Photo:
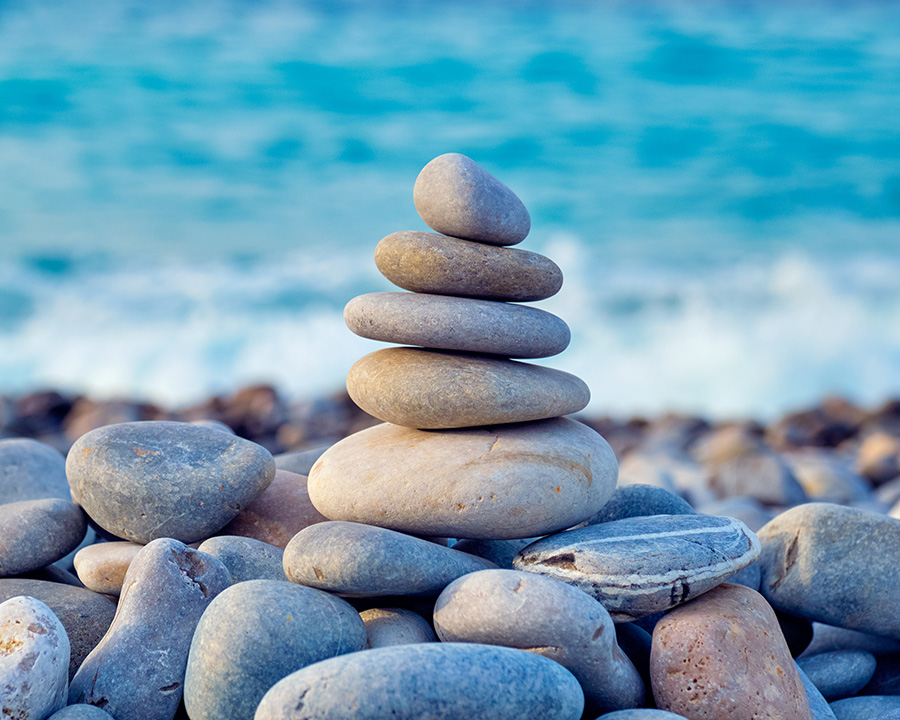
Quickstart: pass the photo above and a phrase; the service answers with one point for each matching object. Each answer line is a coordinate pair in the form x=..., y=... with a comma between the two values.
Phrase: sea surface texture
x=191, y=191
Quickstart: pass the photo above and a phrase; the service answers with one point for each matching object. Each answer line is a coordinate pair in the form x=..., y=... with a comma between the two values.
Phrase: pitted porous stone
x=643, y=565
x=502, y=483
x=454, y=323
x=546, y=617
x=34, y=660
x=137, y=670
x=246, y=558
x=146, y=480
x=431, y=263
x=357, y=560
x=723, y=655
x=102, y=566
x=428, y=680
x=395, y=626
x=456, y=196
x=31, y=470
x=430, y=389
x=36, y=533
x=255, y=633
x=834, y=564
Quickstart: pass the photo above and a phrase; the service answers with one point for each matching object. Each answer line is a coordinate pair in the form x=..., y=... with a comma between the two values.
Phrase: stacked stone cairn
x=470, y=557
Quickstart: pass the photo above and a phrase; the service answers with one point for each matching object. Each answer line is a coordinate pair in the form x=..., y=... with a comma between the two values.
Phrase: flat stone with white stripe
x=643, y=565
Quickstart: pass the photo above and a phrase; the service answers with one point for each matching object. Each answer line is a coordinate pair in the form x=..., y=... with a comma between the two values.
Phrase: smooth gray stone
x=818, y=705
x=750, y=576
x=102, y=567
x=34, y=660
x=428, y=680
x=828, y=637
x=246, y=558
x=365, y=561
x=137, y=670
x=85, y=615
x=36, y=533
x=456, y=196
x=868, y=707
x=31, y=470
x=840, y=673
x=146, y=480
x=640, y=500
x=639, y=566
x=546, y=617
x=817, y=557
x=81, y=711
x=300, y=462
x=499, y=552
x=427, y=262
x=432, y=389
x=254, y=634
x=642, y=714
x=452, y=323
x=386, y=627
x=497, y=483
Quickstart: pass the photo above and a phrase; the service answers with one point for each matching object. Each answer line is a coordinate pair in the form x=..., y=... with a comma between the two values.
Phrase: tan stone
x=102, y=567
x=722, y=655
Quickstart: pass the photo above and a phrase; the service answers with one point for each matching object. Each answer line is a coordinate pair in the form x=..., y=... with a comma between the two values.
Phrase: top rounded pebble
x=455, y=196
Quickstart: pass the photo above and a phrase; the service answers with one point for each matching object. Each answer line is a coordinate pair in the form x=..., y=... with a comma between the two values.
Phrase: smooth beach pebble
x=395, y=626
x=34, y=660
x=868, y=707
x=722, y=655
x=31, y=470
x=136, y=672
x=301, y=461
x=246, y=558
x=818, y=705
x=840, y=673
x=102, y=567
x=80, y=711
x=146, y=480
x=818, y=558
x=431, y=263
x=36, y=533
x=430, y=389
x=643, y=565
x=454, y=323
x=278, y=513
x=639, y=500
x=254, y=634
x=365, y=561
x=827, y=475
x=547, y=617
x=499, y=552
x=826, y=638
x=430, y=680
x=496, y=483
x=456, y=196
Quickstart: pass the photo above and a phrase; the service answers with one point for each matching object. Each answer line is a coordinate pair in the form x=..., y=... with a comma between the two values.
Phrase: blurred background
x=190, y=192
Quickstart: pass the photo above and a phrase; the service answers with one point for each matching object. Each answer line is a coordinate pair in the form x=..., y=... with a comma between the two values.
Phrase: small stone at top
x=456, y=196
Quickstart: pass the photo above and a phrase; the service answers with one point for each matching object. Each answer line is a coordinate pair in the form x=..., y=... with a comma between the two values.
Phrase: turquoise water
x=191, y=191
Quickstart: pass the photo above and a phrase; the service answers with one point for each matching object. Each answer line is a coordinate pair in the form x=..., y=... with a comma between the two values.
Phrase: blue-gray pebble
x=36, y=533
x=642, y=714
x=246, y=558
x=31, y=470
x=840, y=673
x=866, y=707
x=145, y=480
x=81, y=711
x=430, y=680
x=254, y=634
x=818, y=705
x=638, y=500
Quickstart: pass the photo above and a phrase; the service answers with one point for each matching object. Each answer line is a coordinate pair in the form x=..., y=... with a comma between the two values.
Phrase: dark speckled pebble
x=35, y=533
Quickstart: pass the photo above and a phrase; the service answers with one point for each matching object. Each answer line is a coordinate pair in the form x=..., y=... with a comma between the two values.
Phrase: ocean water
x=190, y=192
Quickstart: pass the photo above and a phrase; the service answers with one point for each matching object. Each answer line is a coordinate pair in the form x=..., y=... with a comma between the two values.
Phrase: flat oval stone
x=501, y=483
x=429, y=680
x=840, y=673
x=36, y=533
x=146, y=480
x=427, y=262
x=102, y=567
x=137, y=670
x=386, y=627
x=85, y=615
x=643, y=565
x=246, y=558
x=364, y=561
x=546, y=617
x=31, y=470
x=429, y=389
x=816, y=557
x=456, y=196
x=454, y=323
x=34, y=660
x=722, y=655
x=254, y=634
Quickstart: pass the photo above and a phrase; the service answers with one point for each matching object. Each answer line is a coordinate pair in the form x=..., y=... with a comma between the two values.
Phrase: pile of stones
x=471, y=556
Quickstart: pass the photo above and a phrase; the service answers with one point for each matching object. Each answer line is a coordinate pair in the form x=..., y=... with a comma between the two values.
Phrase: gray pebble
x=300, y=462
x=499, y=552
x=750, y=576
x=428, y=680
x=31, y=470
x=869, y=707
x=36, y=533
x=642, y=714
x=456, y=196
x=818, y=705
x=255, y=633
x=639, y=500
x=840, y=673
x=364, y=561
x=829, y=637
x=145, y=480
x=81, y=711
x=246, y=558
x=827, y=475
x=395, y=626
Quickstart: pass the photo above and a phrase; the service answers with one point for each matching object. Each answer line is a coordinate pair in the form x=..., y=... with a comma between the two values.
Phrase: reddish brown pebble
x=723, y=656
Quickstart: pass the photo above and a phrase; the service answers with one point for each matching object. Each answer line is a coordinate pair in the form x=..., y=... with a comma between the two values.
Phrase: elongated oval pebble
x=428, y=680
x=453, y=323
x=644, y=565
